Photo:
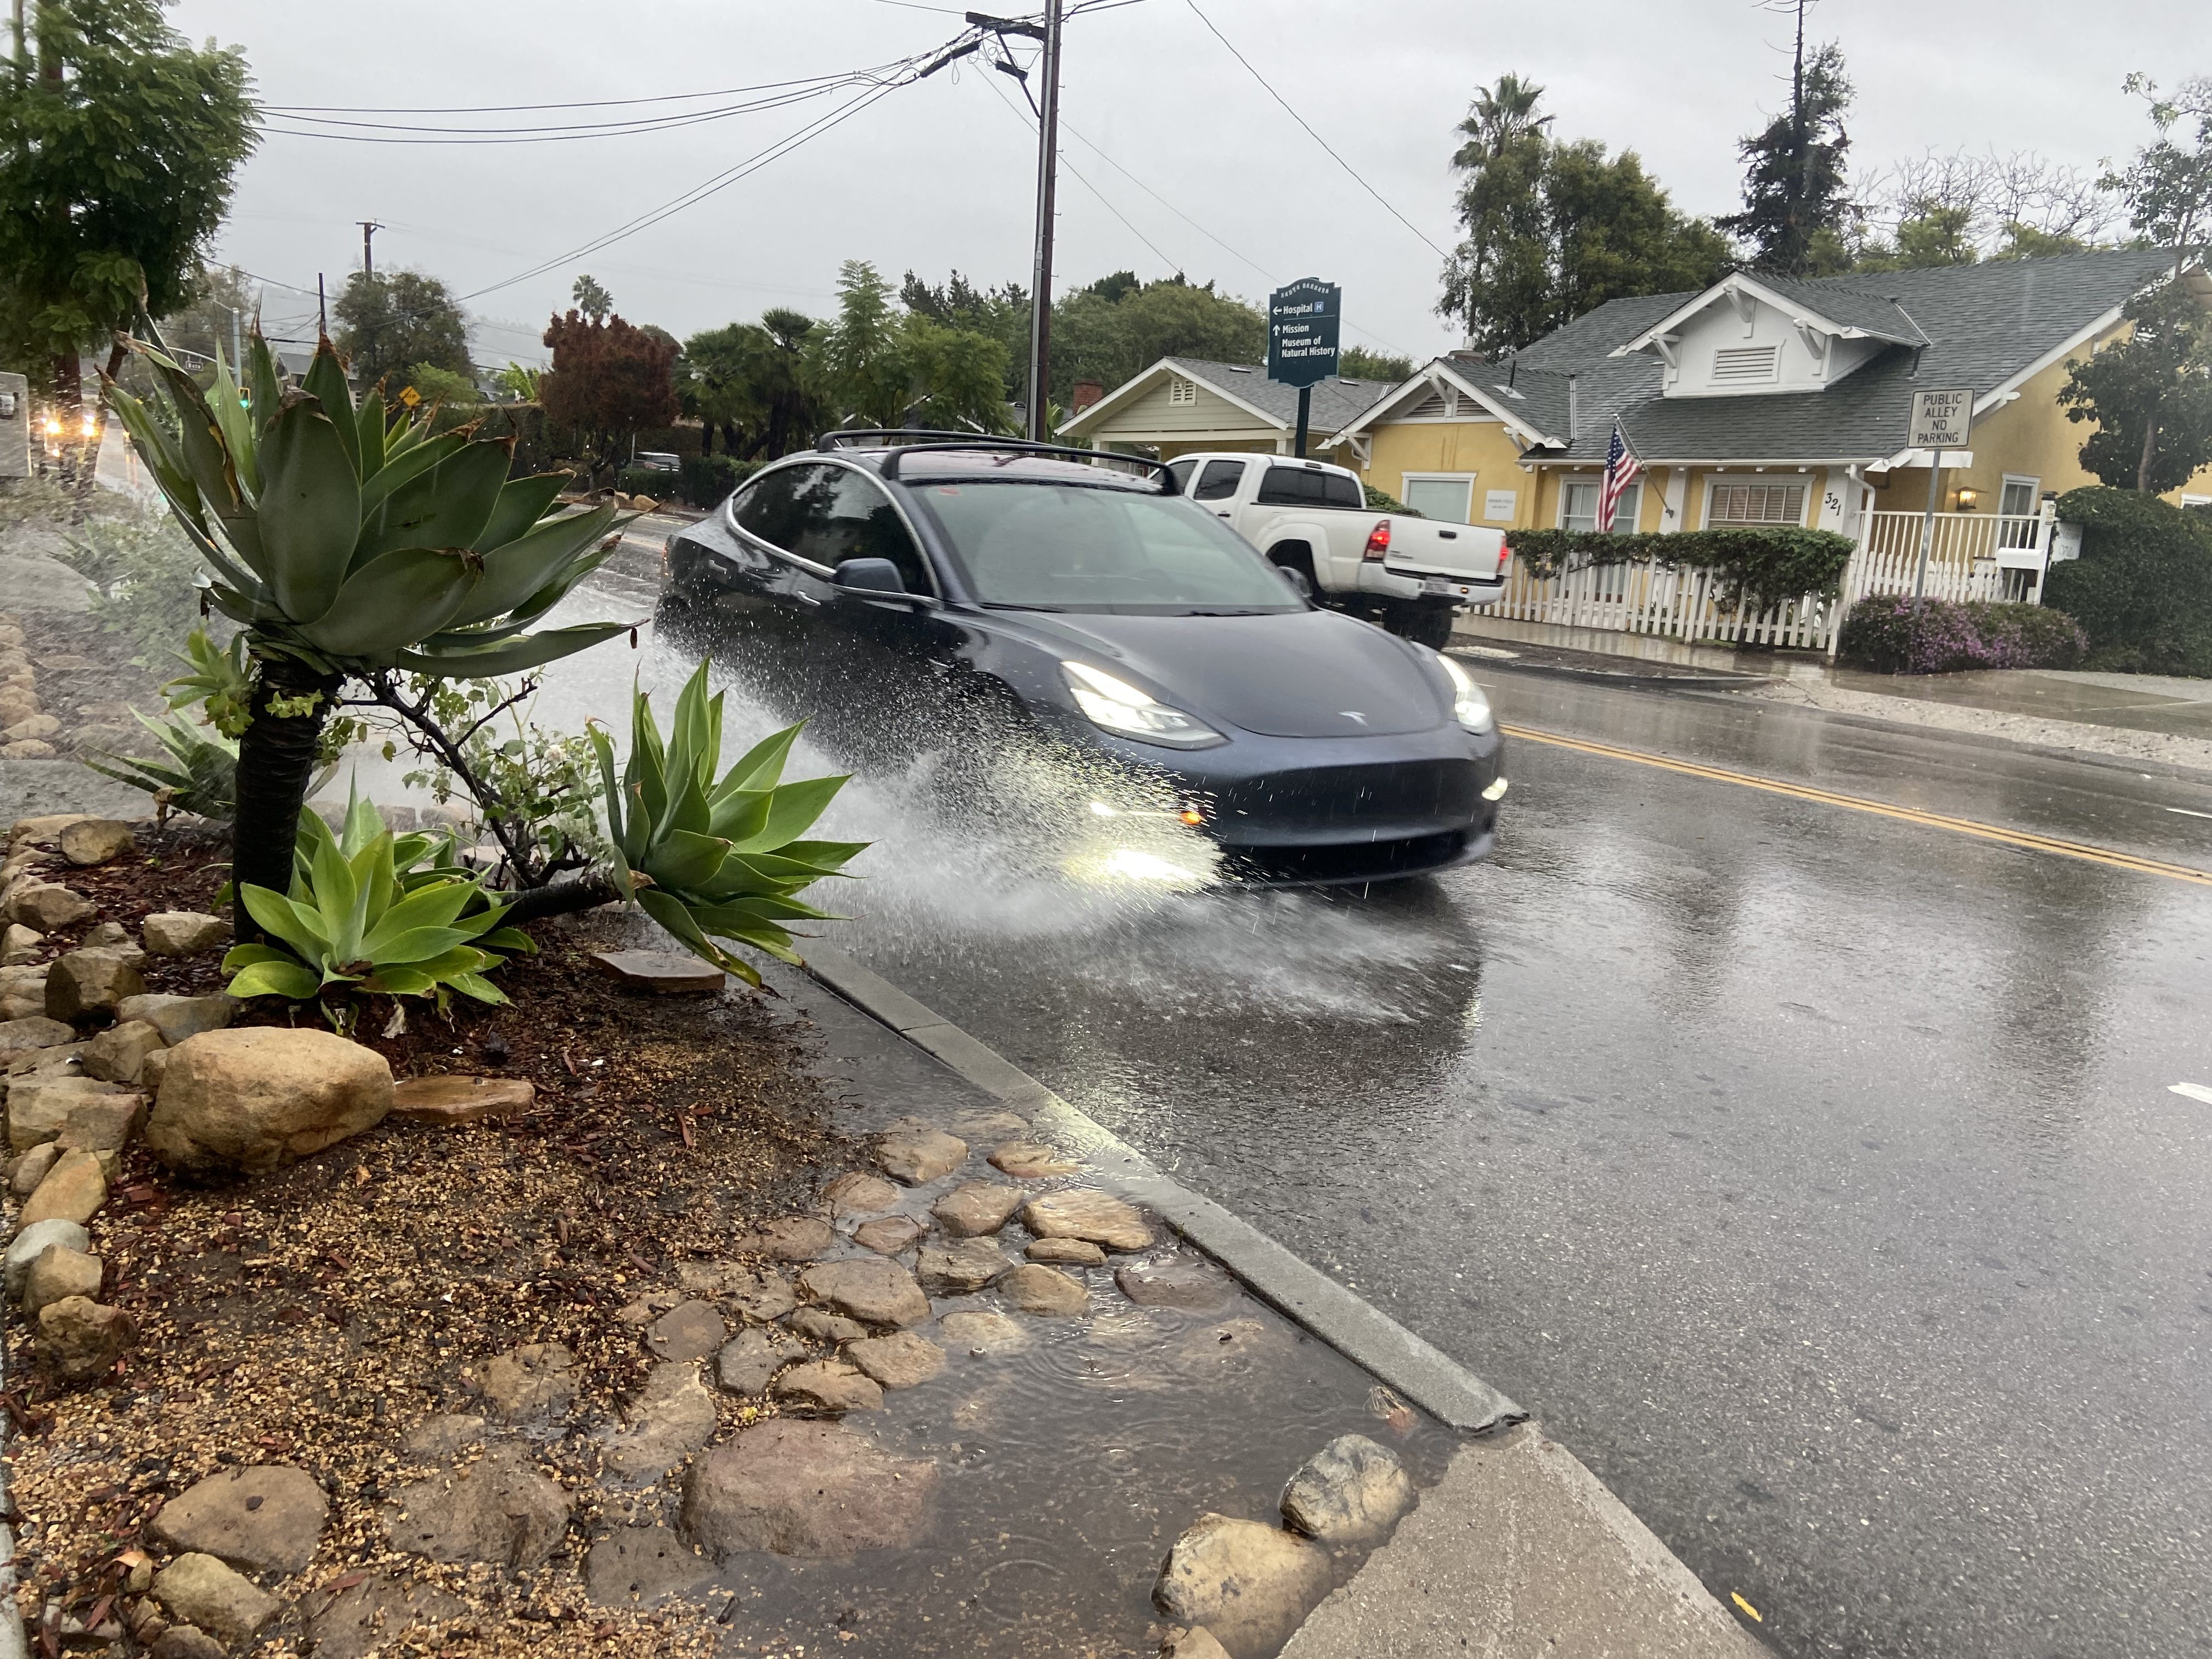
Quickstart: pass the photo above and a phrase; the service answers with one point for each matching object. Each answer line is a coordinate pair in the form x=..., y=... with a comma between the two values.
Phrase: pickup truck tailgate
x=1458, y=552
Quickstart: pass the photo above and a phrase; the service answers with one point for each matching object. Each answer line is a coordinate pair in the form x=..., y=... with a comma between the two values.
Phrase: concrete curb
x=1347, y=1322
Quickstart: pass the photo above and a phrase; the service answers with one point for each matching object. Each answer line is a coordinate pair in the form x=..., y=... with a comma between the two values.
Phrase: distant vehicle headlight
x=1469, y=707
x=1116, y=706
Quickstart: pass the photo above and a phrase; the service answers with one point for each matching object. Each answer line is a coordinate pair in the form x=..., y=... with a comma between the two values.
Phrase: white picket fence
x=1966, y=561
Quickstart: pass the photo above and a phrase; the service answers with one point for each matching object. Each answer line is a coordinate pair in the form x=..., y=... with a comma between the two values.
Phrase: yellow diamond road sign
x=410, y=396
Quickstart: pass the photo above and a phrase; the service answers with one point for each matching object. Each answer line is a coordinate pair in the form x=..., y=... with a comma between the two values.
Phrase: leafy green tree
x=390, y=321
x=1553, y=229
x=594, y=301
x=119, y=143
x=2150, y=394
x=880, y=365
x=1358, y=363
x=1938, y=235
x=610, y=380
x=440, y=385
x=1108, y=339
x=1796, y=202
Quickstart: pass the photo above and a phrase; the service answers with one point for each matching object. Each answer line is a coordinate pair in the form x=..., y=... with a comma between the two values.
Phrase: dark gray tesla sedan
x=888, y=580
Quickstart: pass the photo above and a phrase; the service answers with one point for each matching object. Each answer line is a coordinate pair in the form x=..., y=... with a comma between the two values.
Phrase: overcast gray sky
x=939, y=175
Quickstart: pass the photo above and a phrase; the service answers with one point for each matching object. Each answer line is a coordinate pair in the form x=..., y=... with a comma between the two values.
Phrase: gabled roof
x=1831, y=305
x=1336, y=402
x=1533, y=402
x=1987, y=326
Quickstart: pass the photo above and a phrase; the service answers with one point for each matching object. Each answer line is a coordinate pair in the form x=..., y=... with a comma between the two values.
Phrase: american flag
x=1621, y=467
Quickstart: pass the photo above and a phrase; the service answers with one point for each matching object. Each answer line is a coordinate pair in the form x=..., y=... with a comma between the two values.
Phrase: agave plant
x=197, y=771
x=714, y=860
x=363, y=912
x=350, y=541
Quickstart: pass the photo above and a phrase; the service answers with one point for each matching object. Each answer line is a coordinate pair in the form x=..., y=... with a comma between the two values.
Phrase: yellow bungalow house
x=1761, y=401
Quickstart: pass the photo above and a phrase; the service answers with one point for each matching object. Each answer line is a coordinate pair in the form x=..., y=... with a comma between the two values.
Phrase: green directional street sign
x=1302, y=319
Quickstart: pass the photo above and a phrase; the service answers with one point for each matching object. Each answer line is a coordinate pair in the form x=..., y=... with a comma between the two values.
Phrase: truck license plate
x=1438, y=585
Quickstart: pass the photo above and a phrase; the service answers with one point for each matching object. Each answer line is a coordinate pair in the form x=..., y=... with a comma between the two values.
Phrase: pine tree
x=1796, y=201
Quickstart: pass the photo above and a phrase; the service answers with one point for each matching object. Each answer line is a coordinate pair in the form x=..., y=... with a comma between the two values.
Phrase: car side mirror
x=871, y=576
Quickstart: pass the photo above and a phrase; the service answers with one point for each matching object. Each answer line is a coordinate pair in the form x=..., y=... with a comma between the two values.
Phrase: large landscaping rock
x=500, y=1510
x=89, y=982
x=27, y=1246
x=960, y=1267
x=1249, y=1585
x=1085, y=1212
x=73, y=1190
x=1036, y=1288
x=671, y=1418
x=690, y=1330
x=259, y=1098
x=857, y=1193
x=183, y=932
x=118, y=1054
x=819, y=1491
x=1349, y=1492
x=94, y=840
x=533, y=1383
x=829, y=1385
x=876, y=1291
x=975, y=1208
x=918, y=1152
x=264, y=1518
x=198, y=1590
x=39, y=1103
x=34, y=1031
x=790, y=1238
x=84, y=1339
x=59, y=1272
x=447, y=1101
x=900, y=1360
x=639, y=1567
x=375, y=1613
x=178, y=1017
x=888, y=1235
x=47, y=905
x=749, y=1359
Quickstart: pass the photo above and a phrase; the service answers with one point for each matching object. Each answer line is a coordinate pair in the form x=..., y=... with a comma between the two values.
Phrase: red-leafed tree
x=610, y=380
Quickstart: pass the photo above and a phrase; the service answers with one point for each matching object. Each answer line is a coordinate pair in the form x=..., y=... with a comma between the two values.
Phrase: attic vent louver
x=1746, y=365
x=1430, y=408
x=1181, y=390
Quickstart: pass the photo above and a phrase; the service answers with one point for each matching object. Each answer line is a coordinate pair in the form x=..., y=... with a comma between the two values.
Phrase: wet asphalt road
x=1814, y=1175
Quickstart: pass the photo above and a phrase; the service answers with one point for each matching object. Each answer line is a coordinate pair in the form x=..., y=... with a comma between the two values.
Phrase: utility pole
x=322, y=307
x=1041, y=275
x=369, y=229
x=1048, y=112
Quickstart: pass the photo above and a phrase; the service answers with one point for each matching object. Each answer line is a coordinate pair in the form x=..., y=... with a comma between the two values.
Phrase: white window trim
x=1407, y=479
x=2034, y=483
x=1706, y=512
x=1597, y=481
x=2197, y=501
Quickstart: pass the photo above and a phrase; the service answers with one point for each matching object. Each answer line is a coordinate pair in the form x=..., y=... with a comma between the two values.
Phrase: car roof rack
x=923, y=439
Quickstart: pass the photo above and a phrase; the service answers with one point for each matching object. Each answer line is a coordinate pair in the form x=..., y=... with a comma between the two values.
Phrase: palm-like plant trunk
x=276, y=763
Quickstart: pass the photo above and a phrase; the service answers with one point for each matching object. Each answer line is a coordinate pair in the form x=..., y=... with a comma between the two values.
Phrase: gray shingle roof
x=1860, y=302
x=1983, y=324
x=1336, y=403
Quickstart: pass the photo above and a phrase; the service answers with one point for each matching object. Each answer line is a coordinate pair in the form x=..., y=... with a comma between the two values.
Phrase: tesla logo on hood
x=1353, y=715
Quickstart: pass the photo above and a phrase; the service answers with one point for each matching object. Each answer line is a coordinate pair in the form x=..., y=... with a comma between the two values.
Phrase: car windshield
x=1070, y=547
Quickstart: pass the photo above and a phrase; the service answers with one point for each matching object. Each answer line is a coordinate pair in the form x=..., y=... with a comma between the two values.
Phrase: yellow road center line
x=1859, y=803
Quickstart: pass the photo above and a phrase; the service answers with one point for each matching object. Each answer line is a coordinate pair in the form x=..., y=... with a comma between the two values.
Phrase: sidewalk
x=2146, y=717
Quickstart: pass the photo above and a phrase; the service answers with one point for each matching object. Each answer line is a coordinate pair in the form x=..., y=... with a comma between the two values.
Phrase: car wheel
x=1423, y=623
x=1294, y=561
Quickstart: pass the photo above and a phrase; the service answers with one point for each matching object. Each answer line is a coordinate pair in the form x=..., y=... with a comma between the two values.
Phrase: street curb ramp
x=1518, y=1553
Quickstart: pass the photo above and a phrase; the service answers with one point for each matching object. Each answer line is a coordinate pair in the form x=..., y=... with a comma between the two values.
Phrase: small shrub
x=1882, y=633
x=2143, y=587
x=1382, y=500
x=706, y=481
x=646, y=481
x=1763, y=566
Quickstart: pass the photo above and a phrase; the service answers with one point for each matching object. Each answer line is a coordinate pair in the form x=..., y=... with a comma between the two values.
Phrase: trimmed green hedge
x=706, y=481
x=2142, y=588
x=1767, y=565
x=1885, y=632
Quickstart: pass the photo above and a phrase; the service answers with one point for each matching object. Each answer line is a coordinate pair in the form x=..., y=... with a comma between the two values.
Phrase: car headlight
x=1469, y=707
x=1117, y=706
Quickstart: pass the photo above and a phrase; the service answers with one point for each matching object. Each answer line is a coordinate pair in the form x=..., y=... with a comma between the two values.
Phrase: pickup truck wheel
x=1294, y=558
x=1424, y=622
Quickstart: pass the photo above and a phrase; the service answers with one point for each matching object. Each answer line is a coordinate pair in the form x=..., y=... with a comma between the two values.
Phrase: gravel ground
x=2156, y=747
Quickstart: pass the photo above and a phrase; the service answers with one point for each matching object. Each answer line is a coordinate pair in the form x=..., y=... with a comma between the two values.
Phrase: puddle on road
x=1065, y=1472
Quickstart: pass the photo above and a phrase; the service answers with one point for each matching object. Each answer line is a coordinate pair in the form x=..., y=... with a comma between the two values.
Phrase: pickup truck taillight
x=1378, y=540
x=1504, y=557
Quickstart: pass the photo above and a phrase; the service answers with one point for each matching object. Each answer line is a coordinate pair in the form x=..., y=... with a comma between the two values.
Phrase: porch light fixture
x=1966, y=499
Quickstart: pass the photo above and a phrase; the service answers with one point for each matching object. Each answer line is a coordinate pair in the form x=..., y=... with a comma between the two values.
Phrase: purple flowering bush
x=1881, y=633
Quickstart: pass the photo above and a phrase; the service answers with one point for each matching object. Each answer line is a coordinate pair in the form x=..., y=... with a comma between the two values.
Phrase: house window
x=1579, y=506
x=2019, y=511
x=1747, y=364
x=1442, y=495
x=1181, y=390
x=1732, y=503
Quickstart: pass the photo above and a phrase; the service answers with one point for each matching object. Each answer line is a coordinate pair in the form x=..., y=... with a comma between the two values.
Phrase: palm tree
x=1499, y=115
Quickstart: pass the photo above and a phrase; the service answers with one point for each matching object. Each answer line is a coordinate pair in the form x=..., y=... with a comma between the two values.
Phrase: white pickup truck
x=1411, y=575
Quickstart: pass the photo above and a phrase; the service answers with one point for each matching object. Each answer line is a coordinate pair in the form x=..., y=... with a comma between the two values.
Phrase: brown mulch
x=315, y=1316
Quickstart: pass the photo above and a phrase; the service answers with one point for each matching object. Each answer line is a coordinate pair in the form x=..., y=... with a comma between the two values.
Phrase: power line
x=1028, y=125
x=387, y=132
x=1308, y=125
x=586, y=103
x=967, y=41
